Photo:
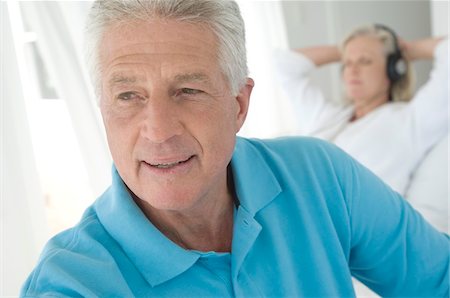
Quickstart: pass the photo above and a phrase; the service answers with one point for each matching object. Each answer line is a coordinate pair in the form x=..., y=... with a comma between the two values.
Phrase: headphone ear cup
x=400, y=67
x=396, y=67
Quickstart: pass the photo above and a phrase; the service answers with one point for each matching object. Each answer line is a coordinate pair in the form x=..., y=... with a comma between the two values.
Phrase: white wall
x=311, y=23
x=439, y=17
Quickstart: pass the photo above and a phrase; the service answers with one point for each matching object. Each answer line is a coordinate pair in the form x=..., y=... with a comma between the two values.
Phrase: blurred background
x=54, y=157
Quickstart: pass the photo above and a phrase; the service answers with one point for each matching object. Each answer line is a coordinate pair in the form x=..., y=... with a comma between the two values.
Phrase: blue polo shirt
x=309, y=218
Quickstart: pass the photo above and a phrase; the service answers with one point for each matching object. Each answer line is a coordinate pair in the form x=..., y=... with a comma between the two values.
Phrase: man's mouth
x=170, y=164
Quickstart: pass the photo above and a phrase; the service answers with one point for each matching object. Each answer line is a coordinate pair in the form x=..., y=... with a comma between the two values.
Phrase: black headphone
x=396, y=64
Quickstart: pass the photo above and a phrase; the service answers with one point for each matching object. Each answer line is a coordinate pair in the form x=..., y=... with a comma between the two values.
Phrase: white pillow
x=428, y=191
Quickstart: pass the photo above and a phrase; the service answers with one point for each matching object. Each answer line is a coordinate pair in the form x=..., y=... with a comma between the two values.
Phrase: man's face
x=169, y=115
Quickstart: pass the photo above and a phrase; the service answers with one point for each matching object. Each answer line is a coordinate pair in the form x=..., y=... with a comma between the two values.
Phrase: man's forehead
x=123, y=77
x=157, y=33
x=144, y=45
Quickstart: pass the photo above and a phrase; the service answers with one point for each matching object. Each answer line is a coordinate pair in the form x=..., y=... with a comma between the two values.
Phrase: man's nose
x=161, y=120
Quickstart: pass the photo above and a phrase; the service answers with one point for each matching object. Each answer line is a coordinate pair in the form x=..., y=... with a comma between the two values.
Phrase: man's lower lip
x=179, y=167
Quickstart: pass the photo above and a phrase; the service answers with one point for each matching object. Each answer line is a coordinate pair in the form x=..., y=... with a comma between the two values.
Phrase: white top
x=392, y=139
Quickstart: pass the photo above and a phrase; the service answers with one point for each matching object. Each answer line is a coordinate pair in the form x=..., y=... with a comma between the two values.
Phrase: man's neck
x=209, y=228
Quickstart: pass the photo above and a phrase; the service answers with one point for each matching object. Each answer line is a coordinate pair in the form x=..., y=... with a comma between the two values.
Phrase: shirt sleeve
x=430, y=104
x=394, y=251
x=310, y=108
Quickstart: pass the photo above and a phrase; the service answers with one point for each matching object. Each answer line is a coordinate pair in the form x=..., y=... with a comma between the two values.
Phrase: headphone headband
x=393, y=34
x=396, y=65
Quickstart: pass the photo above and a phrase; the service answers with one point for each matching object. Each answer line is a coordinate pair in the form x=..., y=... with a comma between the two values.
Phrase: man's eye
x=128, y=96
x=190, y=91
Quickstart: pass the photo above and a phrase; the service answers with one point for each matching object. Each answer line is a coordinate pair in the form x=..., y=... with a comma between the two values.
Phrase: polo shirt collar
x=154, y=255
x=255, y=183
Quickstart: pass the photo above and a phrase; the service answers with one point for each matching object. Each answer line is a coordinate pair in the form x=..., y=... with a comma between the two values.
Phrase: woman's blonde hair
x=401, y=89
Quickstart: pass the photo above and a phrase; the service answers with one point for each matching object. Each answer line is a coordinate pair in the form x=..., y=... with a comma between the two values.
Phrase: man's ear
x=243, y=101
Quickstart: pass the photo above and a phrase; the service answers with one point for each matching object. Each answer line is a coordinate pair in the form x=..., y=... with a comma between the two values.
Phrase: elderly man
x=195, y=211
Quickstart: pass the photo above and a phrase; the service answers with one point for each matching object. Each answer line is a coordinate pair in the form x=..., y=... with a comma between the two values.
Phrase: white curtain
x=269, y=114
x=59, y=29
x=23, y=229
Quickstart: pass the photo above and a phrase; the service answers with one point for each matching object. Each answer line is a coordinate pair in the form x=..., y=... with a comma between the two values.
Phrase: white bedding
x=429, y=188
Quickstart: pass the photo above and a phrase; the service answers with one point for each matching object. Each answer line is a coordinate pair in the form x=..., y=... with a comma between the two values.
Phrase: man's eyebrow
x=122, y=79
x=192, y=77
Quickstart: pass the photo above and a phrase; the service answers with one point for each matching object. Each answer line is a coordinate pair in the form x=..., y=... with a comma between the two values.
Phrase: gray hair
x=223, y=17
x=401, y=90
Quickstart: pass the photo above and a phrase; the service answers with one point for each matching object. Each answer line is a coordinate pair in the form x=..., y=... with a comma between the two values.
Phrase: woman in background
x=382, y=124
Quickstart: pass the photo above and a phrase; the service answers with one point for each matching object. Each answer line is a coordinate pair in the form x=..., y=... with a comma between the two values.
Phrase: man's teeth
x=166, y=165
